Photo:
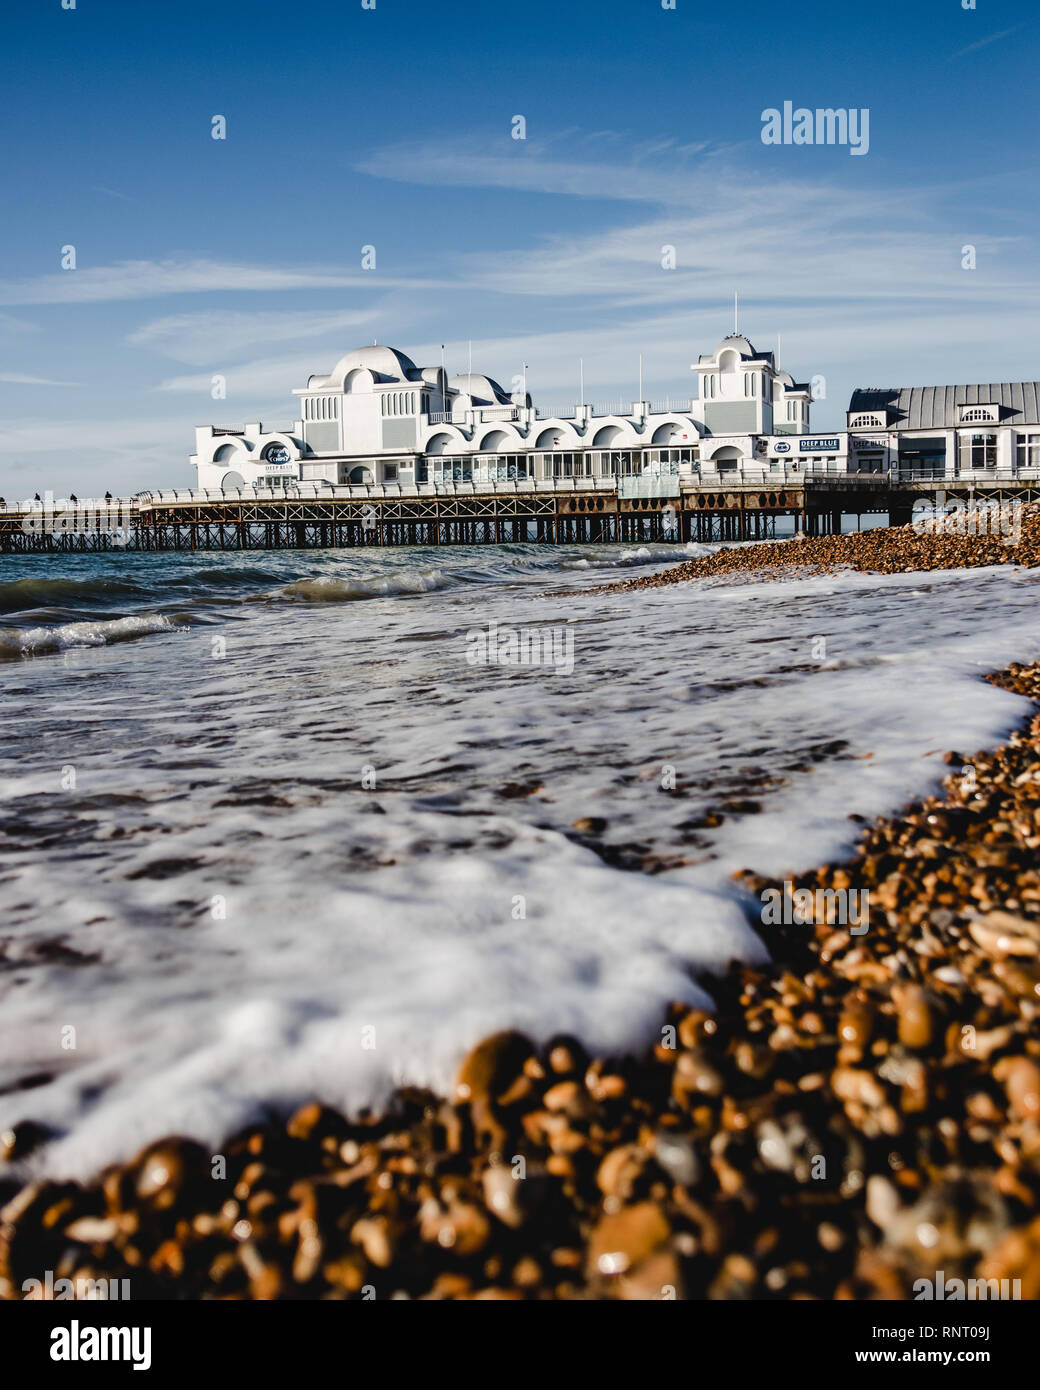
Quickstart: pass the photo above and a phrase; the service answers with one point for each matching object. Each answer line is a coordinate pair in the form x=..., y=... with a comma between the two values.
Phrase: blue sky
x=392, y=128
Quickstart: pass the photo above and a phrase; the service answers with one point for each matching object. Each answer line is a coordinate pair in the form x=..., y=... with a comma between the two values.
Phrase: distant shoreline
x=1009, y=538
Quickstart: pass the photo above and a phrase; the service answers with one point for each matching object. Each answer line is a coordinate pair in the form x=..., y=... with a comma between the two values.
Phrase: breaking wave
x=33, y=592
x=18, y=642
x=643, y=555
x=330, y=588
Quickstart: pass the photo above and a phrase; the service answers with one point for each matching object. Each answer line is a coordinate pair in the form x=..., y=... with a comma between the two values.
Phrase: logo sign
x=783, y=448
x=276, y=453
x=819, y=446
x=861, y=442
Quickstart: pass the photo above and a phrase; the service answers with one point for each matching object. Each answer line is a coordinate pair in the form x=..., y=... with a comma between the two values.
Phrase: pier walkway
x=314, y=515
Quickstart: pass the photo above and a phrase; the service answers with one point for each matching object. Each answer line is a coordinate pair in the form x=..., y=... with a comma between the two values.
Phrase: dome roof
x=736, y=342
x=385, y=364
x=483, y=390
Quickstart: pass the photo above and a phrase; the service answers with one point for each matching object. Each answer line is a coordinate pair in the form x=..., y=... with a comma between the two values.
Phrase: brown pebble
x=619, y=1243
x=1022, y=1082
x=916, y=1022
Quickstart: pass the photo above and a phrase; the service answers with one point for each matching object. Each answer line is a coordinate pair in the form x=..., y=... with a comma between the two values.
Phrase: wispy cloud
x=218, y=336
x=112, y=193
x=20, y=379
x=984, y=43
x=114, y=435
x=264, y=381
x=583, y=166
x=12, y=329
x=780, y=238
x=123, y=280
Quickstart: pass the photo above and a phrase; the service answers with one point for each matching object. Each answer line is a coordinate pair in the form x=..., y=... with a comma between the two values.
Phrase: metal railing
x=482, y=415
x=1012, y=474
x=771, y=479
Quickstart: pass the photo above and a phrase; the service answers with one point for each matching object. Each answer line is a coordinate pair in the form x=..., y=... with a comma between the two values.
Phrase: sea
x=299, y=825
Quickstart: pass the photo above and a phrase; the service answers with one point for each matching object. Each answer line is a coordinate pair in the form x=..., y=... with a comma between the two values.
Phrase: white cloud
x=984, y=43
x=116, y=434
x=219, y=335
x=124, y=280
x=780, y=238
x=13, y=330
x=266, y=379
x=592, y=166
x=20, y=379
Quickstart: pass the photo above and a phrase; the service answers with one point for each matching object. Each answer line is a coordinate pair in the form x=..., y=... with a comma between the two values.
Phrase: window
x=867, y=422
x=978, y=451
x=1027, y=451
x=978, y=414
x=390, y=473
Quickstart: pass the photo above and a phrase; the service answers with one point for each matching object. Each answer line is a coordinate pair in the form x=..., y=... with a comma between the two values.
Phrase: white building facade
x=378, y=419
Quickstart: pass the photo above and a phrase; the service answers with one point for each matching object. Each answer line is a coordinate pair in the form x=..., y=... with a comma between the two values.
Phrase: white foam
x=329, y=588
x=29, y=641
x=450, y=899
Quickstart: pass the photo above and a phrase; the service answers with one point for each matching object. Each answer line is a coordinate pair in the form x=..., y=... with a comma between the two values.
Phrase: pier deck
x=322, y=516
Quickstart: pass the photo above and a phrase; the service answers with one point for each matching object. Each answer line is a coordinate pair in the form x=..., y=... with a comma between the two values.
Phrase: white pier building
x=377, y=418
x=377, y=421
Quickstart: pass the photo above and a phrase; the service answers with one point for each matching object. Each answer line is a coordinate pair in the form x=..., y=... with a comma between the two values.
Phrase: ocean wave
x=330, y=588
x=18, y=642
x=642, y=555
x=224, y=577
x=39, y=592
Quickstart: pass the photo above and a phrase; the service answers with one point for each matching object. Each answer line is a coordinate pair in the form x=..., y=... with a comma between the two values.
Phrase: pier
x=319, y=516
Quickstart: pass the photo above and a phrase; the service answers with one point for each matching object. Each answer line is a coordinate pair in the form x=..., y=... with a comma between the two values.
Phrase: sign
x=819, y=446
x=783, y=448
x=276, y=453
x=860, y=442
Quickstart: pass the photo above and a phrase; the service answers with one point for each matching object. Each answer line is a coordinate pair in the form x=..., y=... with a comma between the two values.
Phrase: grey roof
x=935, y=407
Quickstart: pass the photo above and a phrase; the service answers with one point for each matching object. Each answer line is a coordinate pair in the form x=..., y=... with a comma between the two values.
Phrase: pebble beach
x=848, y=1119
